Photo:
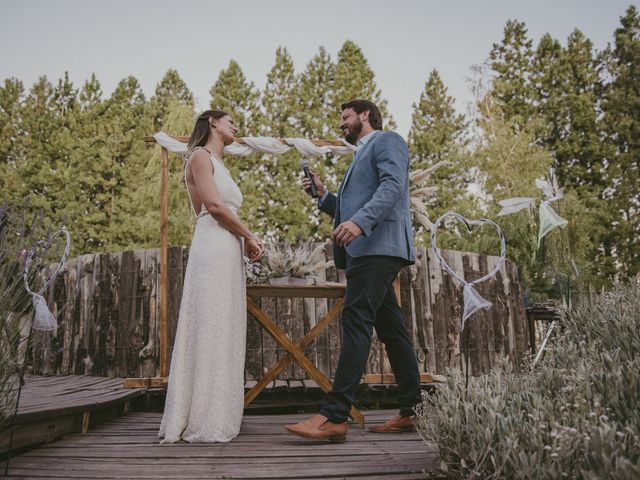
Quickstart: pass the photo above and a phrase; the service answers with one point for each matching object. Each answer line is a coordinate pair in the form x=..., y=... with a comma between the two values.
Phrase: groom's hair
x=359, y=106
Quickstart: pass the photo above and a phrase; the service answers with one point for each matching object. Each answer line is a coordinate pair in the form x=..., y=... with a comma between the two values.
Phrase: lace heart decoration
x=473, y=301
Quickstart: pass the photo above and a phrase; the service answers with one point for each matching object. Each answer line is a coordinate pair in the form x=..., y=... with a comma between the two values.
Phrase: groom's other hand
x=320, y=188
x=346, y=232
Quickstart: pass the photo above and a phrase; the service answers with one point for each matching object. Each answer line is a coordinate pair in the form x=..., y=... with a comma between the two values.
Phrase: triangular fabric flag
x=43, y=319
x=549, y=220
x=473, y=302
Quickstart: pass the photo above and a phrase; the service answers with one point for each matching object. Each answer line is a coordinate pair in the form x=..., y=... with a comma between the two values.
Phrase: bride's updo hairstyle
x=200, y=133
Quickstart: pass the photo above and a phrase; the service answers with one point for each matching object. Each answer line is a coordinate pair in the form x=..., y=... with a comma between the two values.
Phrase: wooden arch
x=163, y=289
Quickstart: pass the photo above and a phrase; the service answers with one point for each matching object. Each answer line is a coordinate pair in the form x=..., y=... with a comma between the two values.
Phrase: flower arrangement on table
x=287, y=265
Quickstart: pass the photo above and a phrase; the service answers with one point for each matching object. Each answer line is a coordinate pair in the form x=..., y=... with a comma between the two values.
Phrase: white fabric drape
x=262, y=144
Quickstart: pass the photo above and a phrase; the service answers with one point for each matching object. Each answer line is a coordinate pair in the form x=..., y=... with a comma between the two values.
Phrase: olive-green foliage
x=586, y=106
x=574, y=415
x=621, y=107
x=505, y=163
x=437, y=135
x=72, y=150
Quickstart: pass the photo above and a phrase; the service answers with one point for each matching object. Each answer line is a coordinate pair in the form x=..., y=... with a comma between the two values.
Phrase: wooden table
x=295, y=350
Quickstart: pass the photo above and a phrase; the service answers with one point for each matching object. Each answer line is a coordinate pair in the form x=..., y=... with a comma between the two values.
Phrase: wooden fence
x=108, y=311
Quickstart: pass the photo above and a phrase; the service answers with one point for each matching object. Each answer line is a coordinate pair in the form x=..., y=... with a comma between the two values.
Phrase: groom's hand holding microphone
x=311, y=183
x=346, y=232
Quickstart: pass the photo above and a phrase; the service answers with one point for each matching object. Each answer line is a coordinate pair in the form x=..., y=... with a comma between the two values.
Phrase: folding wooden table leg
x=298, y=355
x=284, y=361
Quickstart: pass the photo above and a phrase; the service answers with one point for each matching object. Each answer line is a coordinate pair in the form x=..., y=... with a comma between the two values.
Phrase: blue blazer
x=374, y=194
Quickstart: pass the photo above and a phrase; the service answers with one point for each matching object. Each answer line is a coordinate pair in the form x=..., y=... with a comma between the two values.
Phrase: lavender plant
x=23, y=237
x=575, y=415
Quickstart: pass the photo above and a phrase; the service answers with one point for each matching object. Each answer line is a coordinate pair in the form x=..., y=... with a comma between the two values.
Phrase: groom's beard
x=353, y=132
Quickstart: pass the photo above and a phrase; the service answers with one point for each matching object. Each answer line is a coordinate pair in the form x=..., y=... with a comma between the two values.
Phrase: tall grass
x=21, y=235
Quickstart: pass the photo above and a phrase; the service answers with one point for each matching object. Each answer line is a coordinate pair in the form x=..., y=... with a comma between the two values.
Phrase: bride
x=205, y=396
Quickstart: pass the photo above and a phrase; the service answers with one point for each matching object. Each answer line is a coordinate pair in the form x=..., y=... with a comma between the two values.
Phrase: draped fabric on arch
x=262, y=144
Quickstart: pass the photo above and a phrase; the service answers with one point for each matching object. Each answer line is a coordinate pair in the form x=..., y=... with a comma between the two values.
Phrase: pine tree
x=11, y=98
x=567, y=86
x=38, y=124
x=354, y=79
x=240, y=98
x=511, y=62
x=280, y=209
x=11, y=140
x=436, y=128
x=48, y=171
x=233, y=94
x=89, y=165
x=621, y=106
x=91, y=93
x=279, y=100
x=567, y=91
x=436, y=135
x=316, y=116
x=170, y=89
x=124, y=128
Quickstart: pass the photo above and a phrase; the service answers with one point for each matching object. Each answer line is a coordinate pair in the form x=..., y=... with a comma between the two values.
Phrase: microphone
x=307, y=173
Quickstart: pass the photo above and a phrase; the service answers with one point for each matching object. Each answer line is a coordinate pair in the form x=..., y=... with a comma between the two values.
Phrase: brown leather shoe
x=319, y=427
x=395, y=425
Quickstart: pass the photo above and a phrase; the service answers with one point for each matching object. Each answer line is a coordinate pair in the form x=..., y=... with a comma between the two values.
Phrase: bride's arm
x=202, y=174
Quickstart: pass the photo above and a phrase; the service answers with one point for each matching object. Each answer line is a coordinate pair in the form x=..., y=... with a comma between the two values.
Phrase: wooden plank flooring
x=128, y=447
x=67, y=394
x=53, y=406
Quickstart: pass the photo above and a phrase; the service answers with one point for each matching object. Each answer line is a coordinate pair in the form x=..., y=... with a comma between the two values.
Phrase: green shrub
x=575, y=415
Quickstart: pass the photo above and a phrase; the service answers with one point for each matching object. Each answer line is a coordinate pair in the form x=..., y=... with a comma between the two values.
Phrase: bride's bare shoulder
x=198, y=157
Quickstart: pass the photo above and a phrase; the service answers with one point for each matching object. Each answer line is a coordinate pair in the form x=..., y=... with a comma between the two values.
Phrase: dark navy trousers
x=370, y=302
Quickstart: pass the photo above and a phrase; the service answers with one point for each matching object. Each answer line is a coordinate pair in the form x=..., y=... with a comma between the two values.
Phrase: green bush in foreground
x=575, y=415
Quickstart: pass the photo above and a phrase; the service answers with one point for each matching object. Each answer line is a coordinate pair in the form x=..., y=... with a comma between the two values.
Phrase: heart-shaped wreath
x=473, y=301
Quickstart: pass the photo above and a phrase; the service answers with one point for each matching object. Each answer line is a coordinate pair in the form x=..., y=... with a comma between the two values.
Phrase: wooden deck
x=128, y=447
x=87, y=427
x=53, y=406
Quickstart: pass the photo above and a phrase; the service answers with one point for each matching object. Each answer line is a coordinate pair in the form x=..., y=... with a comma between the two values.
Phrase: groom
x=372, y=240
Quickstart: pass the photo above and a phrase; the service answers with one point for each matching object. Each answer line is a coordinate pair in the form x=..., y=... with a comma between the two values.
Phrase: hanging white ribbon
x=43, y=319
x=550, y=188
x=262, y=144
x=513, y=205
x=473, y=301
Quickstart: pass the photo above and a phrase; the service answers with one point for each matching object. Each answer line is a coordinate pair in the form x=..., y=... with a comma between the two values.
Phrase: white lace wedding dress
x=205, y=396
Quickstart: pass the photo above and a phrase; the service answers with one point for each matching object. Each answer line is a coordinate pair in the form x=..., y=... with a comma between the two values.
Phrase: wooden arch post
x=163, y=333
x=163, y=328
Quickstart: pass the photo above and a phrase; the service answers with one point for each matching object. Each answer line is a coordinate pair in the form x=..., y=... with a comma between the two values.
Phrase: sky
x=403, y=40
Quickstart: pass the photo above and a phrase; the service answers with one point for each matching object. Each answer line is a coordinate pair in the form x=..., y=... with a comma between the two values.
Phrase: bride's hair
x=200, y=133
